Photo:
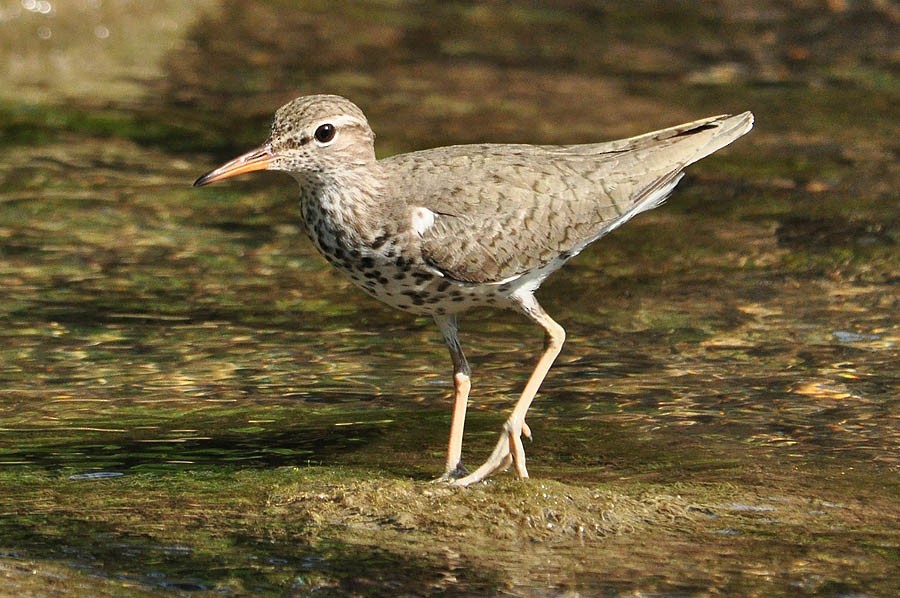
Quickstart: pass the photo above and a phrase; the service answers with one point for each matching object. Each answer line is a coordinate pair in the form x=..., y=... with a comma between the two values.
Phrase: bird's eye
x=325, y=133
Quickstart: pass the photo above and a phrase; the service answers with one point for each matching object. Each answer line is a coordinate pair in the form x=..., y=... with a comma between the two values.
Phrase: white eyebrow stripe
x=339, y=121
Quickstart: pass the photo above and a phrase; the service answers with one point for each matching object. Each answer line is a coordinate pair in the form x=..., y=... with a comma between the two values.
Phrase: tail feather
x=660, y=158
x=712, y=134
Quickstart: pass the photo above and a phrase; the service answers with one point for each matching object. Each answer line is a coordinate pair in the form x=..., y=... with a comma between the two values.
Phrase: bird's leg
x=454, y=468
x=509, y=448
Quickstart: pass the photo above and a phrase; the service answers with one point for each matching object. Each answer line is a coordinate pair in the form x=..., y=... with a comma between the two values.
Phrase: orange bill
x=257, y=159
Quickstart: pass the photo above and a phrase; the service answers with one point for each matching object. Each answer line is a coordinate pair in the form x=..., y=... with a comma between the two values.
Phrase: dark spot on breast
x=418, y=297
x=379, y=241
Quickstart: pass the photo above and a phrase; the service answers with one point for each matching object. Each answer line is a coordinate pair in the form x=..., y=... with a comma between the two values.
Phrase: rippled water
x=173, y=362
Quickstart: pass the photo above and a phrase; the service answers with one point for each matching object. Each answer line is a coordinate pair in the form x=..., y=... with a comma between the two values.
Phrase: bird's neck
x=343, y=203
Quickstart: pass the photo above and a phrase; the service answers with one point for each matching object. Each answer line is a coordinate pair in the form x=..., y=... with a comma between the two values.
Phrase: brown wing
x=503, y=210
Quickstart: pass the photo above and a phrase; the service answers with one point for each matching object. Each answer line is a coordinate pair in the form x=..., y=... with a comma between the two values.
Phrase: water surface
x=192, y=401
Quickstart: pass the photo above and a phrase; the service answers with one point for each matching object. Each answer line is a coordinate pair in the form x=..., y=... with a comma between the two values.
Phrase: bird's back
x=503, y=210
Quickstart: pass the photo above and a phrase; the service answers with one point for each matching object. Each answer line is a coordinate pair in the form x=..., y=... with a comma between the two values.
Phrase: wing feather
x=504, y=210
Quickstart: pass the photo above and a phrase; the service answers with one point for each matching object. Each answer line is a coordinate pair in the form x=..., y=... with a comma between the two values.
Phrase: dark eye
x=325, y=133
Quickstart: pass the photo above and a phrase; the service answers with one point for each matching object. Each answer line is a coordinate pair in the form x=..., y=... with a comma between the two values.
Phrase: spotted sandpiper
x=440, y=231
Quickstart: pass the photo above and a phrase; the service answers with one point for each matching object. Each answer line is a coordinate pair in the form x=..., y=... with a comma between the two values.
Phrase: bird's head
x=311, y=136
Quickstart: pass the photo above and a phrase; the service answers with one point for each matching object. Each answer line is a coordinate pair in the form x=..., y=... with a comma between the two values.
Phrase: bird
x=440, y=231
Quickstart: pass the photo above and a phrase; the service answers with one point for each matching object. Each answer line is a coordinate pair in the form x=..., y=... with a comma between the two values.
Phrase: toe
x=456, y=473
x=518, y=454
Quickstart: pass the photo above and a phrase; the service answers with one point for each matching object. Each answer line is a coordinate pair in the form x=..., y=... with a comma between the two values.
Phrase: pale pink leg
x=454, y=468
x=509, y=448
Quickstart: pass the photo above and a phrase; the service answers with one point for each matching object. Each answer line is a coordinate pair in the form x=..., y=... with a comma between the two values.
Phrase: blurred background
x=169, y=356
x=540, y=71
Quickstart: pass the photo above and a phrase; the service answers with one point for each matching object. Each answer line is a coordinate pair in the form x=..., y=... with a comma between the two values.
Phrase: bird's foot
x=509, y=451
x=453, y=474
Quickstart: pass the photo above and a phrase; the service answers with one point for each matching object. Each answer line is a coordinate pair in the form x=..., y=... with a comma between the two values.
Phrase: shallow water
x=191, y=401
